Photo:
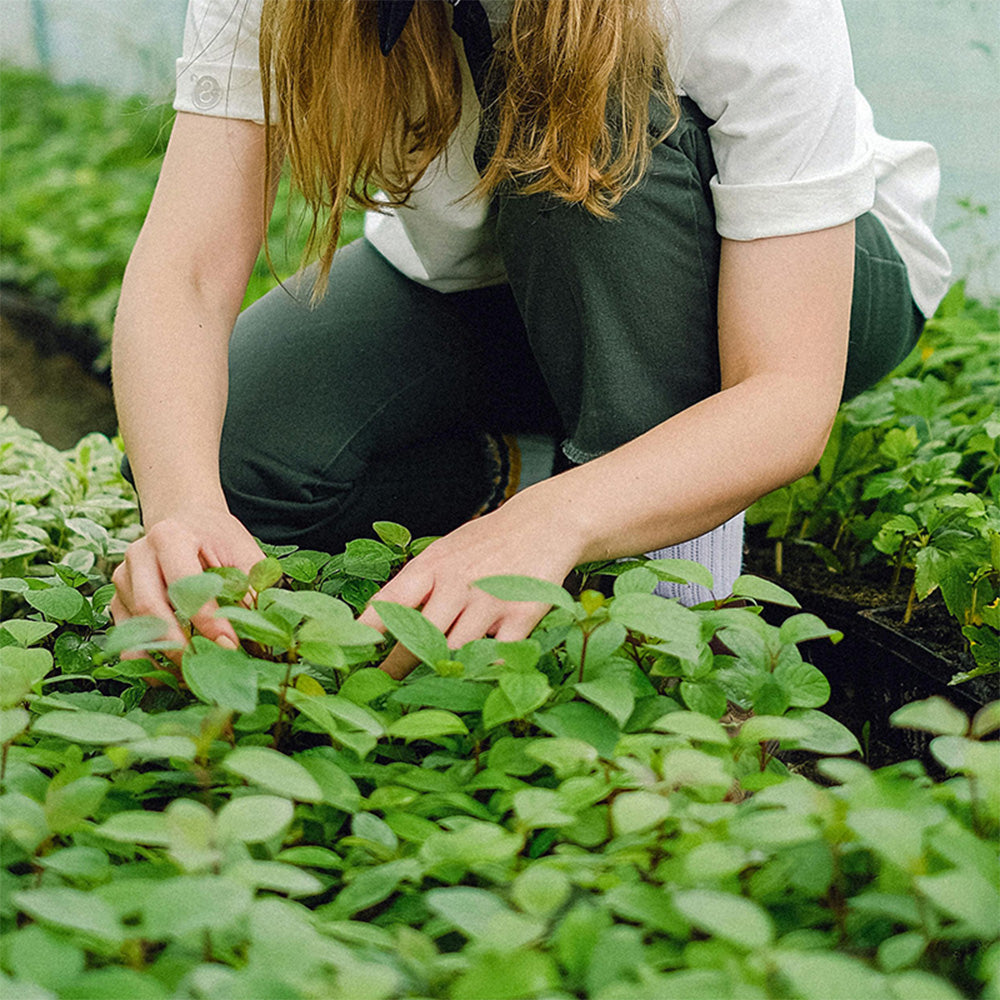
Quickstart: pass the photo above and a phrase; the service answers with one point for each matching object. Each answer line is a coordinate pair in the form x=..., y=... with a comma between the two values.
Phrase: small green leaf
x=986, y=720
x=264, y=574
x=341, y=631
x=137, y=826
x=86, y=863
x=423, y=639
x=20, y=670
x=761, y=728
x=368, y=559
x=26, y=633
x=365, y=685
x=177, y=907
x=763, y=590
x=88, y=727
x=803, y=627
x=274, y=772
x=309, y=856
x=540, y=891
x=235, y=582
x=610, y=692
x=225, y=677
x=636, y=812
x=932, y=715
x=258, y=626
x=190, y=594
x=67, y=806
x=648, y=905
x=682, y=571
x=141, y=633
x=479, y=914
x=13, y=722
x=705, y=697
x=23, y=820
x=818, y=975
x=678, y=628
x=392, y=533
x=733, y=918
x=181, y=747
x=638, y=580
x=369, y=887
x=805, y=686
x=338, y=787
x=57, y=603
x=694, y=726
x=299, y=566
x=541, y=807
x=525, y=691
x=966, y=895
x=824, y=734
x=356, y=716
x=72, y=910
x=526, y=589
x=578, y=720
x=254, y=818
x=429, y=724
x=448, y=693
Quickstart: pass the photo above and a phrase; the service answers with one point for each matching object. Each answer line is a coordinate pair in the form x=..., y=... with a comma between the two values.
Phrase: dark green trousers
x=390, y=400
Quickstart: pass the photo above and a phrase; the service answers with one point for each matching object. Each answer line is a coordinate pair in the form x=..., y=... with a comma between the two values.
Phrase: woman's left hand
x=521, y=538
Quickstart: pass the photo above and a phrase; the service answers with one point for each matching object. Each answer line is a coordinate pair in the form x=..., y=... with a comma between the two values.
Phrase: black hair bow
x=469, y=21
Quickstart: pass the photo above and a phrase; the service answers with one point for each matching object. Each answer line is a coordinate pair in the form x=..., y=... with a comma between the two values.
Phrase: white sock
x=720, y=551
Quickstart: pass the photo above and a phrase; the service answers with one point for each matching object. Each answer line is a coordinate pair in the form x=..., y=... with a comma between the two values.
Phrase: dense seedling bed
x=603, y=810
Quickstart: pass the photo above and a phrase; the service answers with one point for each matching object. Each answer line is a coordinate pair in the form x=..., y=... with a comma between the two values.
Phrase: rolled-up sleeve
x=218, y=72
x=776, y=77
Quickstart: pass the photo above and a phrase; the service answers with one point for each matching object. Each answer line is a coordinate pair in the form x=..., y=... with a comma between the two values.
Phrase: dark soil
x=48, y=381
x=880, y=664
x=871, y=590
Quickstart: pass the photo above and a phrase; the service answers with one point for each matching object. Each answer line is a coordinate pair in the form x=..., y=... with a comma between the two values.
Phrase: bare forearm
x=182, y=291
x=687, y=475
x=170, y=377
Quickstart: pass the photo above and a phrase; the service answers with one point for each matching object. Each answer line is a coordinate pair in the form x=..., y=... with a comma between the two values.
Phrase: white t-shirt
x=794, y=141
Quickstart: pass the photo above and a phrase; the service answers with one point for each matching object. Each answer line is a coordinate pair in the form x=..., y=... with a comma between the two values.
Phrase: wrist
x=554, y=513
x=182, y=505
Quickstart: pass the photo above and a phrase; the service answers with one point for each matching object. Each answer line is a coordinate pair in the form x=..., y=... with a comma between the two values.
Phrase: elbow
x=811, y=443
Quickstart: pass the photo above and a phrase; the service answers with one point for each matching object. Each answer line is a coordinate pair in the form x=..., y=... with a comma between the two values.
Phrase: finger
x=121, y=611
x=176, y=563
x=473, y=623
x=148, y=596
x=399, y=662
x=517, y=626
x=411, y=589
x=443, y=608
x=140, y=590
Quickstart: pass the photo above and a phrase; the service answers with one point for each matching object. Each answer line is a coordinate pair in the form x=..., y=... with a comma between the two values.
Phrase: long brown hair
x=571, y=116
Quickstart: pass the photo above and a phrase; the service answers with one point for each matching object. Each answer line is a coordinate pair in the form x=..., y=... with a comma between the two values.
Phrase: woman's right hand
x=181, y=545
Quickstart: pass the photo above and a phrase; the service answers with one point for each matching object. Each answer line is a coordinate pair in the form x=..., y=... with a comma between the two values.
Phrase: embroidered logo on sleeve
x=207, y=92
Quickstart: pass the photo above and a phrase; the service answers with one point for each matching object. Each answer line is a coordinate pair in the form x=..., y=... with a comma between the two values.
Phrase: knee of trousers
x=621, y=312
x=276, y=496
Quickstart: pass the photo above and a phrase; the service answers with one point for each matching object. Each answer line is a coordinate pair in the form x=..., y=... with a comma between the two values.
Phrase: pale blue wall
x=930, y=68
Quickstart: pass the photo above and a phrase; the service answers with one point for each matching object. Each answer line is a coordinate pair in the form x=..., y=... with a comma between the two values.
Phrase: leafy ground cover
x=603, y=810
x=79, y=168
x=907, y=495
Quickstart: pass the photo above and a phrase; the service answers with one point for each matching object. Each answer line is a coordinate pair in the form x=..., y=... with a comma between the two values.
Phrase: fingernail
x=226, y=643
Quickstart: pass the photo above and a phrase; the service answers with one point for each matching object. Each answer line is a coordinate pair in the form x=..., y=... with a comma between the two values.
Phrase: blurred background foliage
x=79, y=168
